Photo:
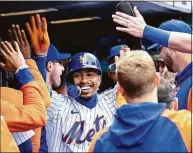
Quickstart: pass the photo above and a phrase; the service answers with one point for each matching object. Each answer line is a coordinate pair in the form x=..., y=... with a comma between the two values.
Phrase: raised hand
x=123, y=52
x=15, y=34
x=12, y=58
x=38, y=34
x=132, y=25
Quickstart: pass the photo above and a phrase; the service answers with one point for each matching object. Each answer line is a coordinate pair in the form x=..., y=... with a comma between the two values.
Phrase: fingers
x=116, y=59
x=2, y=65
x=15, y=36
x=44, y=24
x=2, y=51
x=16, y=46
x=122, y=29
x=28, y=28
x=121, y=22
x=24, y=36
x=5, y=49
x=9, y=46
x=18, y=31
x=122, y=53
x=125, y=16
x=10, y=34
x=38, y=21
x=119, y=19
x=33, y=23
x=137, y=13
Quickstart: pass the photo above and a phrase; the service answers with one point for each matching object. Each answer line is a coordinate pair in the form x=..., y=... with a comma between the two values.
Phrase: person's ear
x=157, y=79
x=121, y=90
x=49, y=66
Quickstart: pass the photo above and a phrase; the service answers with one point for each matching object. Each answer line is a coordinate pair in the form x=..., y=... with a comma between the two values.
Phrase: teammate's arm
x=137, y=27
x=40, y=41
x=39, y=38
x=32, y=114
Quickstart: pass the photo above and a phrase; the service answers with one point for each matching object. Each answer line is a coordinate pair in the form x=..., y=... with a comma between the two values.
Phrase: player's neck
x=150, y=97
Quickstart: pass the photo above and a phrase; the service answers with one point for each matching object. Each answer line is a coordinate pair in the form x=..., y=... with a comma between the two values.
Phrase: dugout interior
x=96, y=36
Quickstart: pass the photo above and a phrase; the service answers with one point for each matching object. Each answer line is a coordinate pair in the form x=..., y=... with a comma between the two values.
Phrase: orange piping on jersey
x=95, y=137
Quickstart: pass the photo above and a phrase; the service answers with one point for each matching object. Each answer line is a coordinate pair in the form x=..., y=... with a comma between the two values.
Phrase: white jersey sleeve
x=110, y=97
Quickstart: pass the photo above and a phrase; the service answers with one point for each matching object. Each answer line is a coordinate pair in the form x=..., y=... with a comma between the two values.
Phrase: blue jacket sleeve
x=41, y=63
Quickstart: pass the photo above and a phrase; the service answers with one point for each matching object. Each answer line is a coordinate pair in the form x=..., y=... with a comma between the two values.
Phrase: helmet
x=83, y=60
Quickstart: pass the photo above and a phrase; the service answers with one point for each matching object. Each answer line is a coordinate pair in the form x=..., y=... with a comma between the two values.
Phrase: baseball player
x=23, y=138
x=29, y=113
x=115, y=51
x=144, y=124
x=72, y=122
x=173, y=50
x=51, y=67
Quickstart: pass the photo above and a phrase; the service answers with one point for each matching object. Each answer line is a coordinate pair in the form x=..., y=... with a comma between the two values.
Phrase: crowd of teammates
x=141, y=112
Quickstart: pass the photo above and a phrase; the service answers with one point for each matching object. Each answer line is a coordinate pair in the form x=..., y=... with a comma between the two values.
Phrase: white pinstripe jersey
x=21, y=137
x=71, y=126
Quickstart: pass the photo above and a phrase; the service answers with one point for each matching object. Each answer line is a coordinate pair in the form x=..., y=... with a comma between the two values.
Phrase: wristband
x=20, y=68
x=156, y=35
x=24, y=76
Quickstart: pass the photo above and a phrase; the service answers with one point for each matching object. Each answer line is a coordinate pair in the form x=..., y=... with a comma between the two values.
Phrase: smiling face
x=88, y=80
x=56, y=72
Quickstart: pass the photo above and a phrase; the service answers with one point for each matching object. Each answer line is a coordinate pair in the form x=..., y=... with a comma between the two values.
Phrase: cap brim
x=109, y=57
x=64, y=56
x=154, y=46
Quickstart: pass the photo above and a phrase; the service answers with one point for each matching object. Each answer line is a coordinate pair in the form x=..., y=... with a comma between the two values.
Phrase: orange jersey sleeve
x=11, y=95
x=183, y=120
x=41, y=83
x=8, y=143
x=120, y=100
x=46, y=96
x=95, y=137
x=17, y=96
x=25, y=117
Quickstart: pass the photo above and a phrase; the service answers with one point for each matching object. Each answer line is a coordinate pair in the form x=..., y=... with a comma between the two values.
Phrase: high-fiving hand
x=12, y=56
x=15, y=34
x=38, y=34
x=123, y=52
x=132, y=25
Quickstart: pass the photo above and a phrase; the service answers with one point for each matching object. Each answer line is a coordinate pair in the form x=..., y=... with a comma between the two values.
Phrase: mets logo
x=77, y=131
x=83, y=60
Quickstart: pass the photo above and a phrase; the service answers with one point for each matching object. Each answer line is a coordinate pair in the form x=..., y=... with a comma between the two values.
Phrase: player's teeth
x=84, y=88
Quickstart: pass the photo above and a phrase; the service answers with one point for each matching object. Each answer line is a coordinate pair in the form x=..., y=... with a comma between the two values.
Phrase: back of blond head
x=136, y=73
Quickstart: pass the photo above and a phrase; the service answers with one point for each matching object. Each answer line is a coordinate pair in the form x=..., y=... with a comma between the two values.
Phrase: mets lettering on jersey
x=71, y=126
x=76, y=131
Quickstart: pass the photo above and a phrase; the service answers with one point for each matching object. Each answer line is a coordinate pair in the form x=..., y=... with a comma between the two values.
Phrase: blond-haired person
x=143, y=124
